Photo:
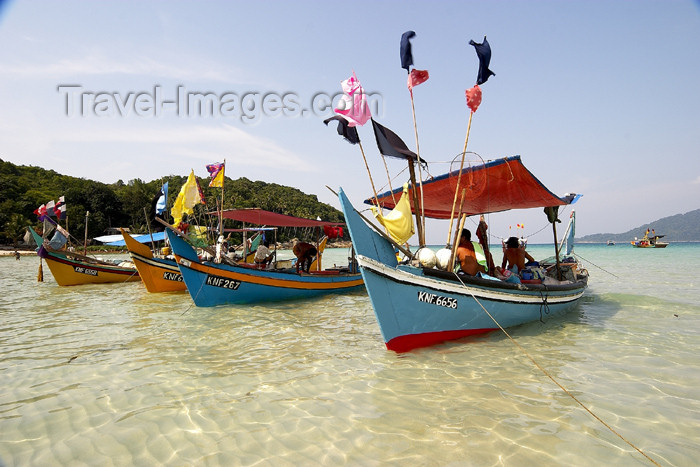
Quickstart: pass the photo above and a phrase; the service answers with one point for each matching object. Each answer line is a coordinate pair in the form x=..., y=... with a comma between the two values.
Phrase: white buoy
x=443, y=258
x=426, y=257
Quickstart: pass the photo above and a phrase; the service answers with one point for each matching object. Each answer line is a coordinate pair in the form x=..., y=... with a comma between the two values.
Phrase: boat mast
x=459, y=179
x=416, y=203
x=150, y=232
x=221, y=211
x=87, y=213
x=420, y=213
x=552, y=215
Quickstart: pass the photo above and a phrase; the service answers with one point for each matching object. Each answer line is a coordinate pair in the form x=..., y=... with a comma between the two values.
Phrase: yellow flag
x=399, y=222
x=216, y=171
x=186, y=200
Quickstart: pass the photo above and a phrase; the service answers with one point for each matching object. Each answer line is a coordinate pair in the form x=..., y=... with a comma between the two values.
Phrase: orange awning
x=495, y=186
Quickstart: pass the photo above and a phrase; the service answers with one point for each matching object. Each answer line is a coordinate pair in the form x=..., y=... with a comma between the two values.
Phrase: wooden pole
x=457, y=236
x=459, y=177
x=416, y=204
x=374, y=190
x=87, y=213
x=221, y=212
x=556, y=250
x=388, y=178
x=420, y=212
x=245, y=243
x=150, y=232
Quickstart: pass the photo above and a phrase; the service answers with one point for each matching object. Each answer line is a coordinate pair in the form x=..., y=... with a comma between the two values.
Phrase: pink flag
x=473, y=97
x=417, y=77
x=353, y=105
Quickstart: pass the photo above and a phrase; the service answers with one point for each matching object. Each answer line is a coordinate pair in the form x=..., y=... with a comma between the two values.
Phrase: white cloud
x=203, y=143
x=99, y=63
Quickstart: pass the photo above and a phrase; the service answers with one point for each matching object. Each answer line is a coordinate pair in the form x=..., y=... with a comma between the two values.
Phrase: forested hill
x=24, y=188
x=678, y=228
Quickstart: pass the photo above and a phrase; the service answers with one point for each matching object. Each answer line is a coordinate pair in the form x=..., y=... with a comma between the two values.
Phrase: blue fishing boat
x=218, y=281
x=417, y=306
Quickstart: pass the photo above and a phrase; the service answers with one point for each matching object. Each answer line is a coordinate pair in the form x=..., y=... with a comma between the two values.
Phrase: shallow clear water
x=112, y=375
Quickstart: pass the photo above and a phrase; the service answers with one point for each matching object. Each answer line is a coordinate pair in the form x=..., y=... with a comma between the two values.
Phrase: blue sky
x=600, y=98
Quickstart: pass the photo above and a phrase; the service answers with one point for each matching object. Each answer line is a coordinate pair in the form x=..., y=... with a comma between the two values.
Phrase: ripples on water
x=111, y=375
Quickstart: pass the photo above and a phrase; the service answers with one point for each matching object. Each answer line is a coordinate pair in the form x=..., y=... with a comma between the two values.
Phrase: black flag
x=347, y=132
x=406, y=54
x=153, y=213
x=390, y=144
x=483, y=51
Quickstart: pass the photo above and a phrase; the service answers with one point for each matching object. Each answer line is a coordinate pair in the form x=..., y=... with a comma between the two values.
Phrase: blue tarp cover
x=145, y=238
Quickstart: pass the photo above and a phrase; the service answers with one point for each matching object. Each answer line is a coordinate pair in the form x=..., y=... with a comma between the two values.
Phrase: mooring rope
x=593, y=264
x=130, y=276
x=546, y=373
x=194, y=297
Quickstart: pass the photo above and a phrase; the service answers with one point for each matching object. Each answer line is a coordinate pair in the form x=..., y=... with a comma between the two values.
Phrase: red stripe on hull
x=415, y=341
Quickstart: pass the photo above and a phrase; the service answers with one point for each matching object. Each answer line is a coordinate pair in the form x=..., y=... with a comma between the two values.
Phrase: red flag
x=41, y=212
x=473, y=97
x=417, y=77
x=332, y=231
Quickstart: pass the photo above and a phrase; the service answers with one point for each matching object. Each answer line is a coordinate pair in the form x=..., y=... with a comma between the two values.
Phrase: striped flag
x=60, y=208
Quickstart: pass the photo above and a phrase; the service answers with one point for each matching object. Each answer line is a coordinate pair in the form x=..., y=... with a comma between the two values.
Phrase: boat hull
x=211, y=284
x=416, y=310
x=69, y=269
x=417, y=307
x=157, y=274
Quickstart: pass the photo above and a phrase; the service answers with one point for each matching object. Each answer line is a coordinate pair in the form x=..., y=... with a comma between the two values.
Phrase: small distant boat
x=610, y=243
x=70, y=268
x=649, y=241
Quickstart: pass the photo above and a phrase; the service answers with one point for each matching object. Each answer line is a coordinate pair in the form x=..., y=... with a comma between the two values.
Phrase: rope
x=546, y=373
x=194, y=297
x=544, y=305
x=593, y=264
x=132, y=275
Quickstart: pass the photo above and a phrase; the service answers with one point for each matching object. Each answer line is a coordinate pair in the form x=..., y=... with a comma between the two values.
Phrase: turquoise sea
x=112, y=375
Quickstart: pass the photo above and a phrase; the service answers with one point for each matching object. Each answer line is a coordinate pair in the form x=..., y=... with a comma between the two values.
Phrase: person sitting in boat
x=466, y=255
x=305, y=253
x=514, y=256
x=263, y=255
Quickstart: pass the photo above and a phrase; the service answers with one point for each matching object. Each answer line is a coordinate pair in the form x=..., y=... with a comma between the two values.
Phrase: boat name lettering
x=439, y=300
x=172, y=276
x=82, y=270
x=223, y=282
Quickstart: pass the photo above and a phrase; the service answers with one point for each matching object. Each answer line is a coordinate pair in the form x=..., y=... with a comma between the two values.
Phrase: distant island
x=678, y=228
